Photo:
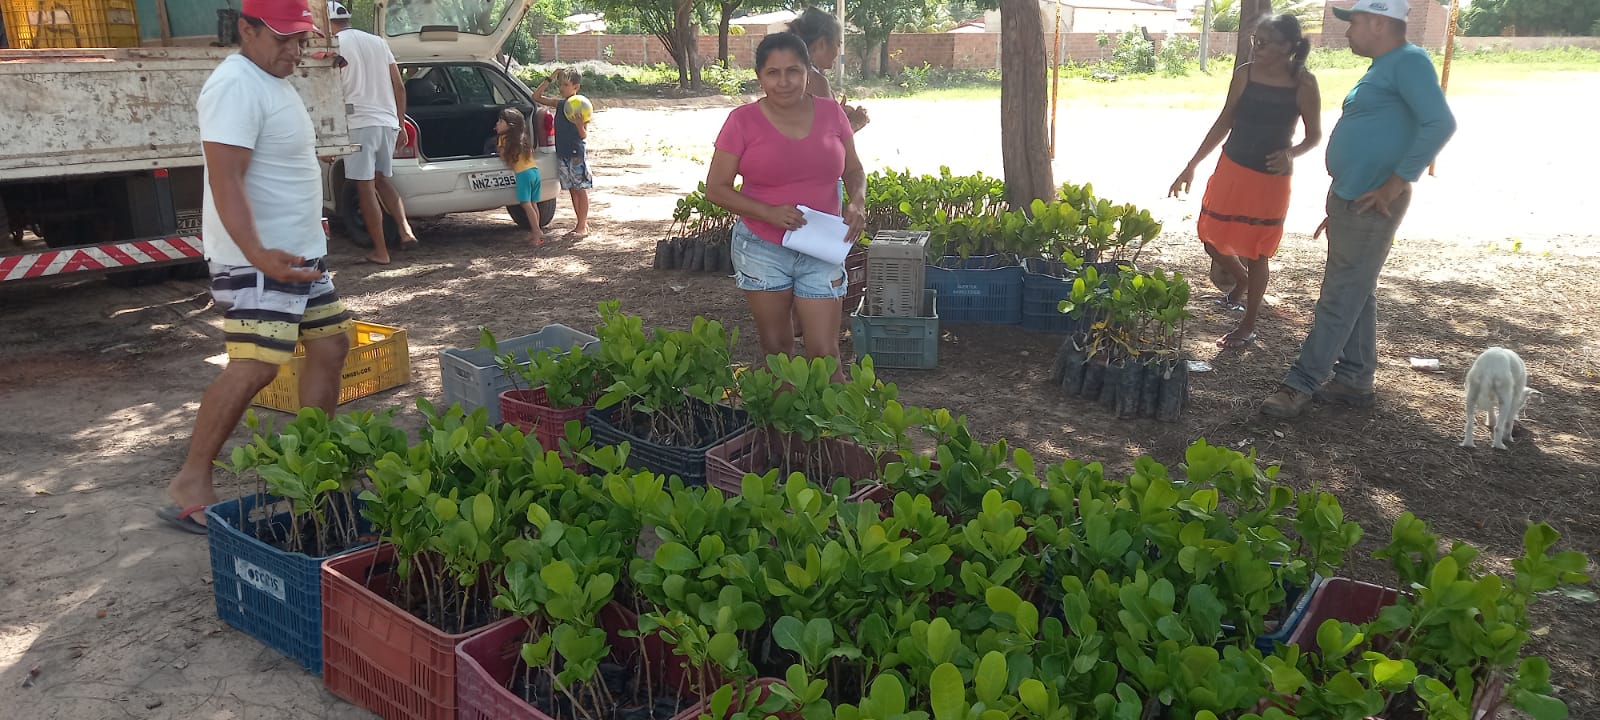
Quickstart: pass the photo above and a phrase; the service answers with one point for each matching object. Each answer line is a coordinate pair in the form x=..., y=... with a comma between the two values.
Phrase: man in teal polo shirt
x=1395, y=122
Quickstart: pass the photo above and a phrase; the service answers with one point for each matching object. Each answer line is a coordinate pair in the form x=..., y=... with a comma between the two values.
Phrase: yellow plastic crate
x=38, y=24
x=379, y=359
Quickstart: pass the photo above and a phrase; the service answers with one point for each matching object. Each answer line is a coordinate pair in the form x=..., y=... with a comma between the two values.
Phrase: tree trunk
x=1024, y=131
x=883, y=57
x=722, y=31
x=683, y=21
x=1250, y=13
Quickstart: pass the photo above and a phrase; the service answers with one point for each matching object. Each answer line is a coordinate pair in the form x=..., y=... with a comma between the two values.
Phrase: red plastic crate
x=1343, y=599
x=377, y=655
x=1356, y=602
x=530, y=409
x=484, y=665
x=759, y=451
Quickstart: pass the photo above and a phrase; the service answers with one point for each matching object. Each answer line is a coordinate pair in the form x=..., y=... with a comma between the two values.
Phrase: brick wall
x=1426, y=26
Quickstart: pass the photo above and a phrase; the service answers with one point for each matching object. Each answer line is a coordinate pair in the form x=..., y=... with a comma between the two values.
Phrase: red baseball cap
x=284, y=17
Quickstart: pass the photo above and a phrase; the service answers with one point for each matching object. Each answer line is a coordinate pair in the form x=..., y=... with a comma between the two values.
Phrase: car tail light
x=548, y=119
x=405, y=146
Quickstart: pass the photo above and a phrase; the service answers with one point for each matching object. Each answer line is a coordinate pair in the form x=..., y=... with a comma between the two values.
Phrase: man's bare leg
x=396, y=209
x=324, y=364
x=372, y=215
x=221, y=407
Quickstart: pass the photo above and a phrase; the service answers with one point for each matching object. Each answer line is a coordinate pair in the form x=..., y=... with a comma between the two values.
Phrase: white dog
x=1498, y=380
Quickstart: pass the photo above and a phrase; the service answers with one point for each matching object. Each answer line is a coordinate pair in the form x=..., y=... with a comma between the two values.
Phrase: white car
x=454, y=95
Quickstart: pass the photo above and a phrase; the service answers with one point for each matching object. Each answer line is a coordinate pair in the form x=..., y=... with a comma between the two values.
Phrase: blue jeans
x=1343, y=341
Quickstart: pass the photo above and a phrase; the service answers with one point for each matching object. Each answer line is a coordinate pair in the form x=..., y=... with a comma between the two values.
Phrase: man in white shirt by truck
x=261, y=224
x=377, y=97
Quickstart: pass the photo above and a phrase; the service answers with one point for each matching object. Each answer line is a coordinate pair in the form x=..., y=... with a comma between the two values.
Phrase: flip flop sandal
x=1230, y=305
x=1226, y=343
x=182, y=518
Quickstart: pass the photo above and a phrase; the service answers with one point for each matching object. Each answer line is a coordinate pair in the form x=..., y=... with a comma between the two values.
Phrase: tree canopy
x=1531, y=17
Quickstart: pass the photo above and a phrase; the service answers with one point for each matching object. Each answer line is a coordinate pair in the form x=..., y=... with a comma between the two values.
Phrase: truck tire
x=547, y=212
x=355, y=226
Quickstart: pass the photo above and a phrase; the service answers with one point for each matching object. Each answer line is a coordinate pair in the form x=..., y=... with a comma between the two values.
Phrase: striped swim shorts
x=264, y=319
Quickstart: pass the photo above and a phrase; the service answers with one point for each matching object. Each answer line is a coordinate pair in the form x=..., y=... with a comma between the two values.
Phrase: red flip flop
x=183, y=518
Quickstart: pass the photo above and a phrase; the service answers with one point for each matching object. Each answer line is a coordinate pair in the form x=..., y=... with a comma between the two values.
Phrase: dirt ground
x=105, y=613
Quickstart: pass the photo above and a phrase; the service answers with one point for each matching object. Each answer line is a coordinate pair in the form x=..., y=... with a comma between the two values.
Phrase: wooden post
x=1449, y=52
x=164, y=23
x=838, y=62
x=1205, y=35
x=1055, y=80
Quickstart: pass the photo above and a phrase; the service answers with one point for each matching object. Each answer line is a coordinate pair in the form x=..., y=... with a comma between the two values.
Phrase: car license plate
x=492, y=180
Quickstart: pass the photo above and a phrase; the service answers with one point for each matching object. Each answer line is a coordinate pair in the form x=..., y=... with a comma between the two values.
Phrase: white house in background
x=765, y=23
x=968, y=26
x=1100, y=16
x=584, y=23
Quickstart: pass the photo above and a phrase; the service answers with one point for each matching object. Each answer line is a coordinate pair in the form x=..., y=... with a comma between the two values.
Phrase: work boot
x=1334, y=391
x=1285, y=402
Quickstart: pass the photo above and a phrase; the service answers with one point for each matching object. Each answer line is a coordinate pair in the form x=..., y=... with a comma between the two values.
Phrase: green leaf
x=948, y=693
x=482, y=513
x=1393, y=673
x=1542, y=707
x=675, y=557
x=786, y=632
x=1035, y=696
x=941, y=641
x=1287, y=680
x=990, y=678
x=559, y=577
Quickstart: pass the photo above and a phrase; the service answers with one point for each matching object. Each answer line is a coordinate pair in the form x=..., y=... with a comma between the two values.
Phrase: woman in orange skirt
x=1247, y=197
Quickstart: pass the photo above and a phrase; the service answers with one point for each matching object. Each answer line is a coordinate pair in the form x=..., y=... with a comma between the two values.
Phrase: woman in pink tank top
x=790, y=149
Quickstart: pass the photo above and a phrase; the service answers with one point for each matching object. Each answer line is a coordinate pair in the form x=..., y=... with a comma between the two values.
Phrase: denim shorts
x=764, y=266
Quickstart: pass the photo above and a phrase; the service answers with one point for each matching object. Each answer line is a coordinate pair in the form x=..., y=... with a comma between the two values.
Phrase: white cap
x=1388, y=8
x=337, y=11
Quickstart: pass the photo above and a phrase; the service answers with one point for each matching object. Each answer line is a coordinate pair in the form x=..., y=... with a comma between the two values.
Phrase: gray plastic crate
x=899, y=342
x=896, y=267
x=471, y=377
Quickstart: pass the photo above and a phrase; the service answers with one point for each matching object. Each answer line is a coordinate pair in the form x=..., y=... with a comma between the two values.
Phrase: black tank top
x=1262, y=124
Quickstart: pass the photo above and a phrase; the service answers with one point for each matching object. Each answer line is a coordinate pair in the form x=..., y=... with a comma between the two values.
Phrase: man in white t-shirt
x=377, y=97
x=262, y=228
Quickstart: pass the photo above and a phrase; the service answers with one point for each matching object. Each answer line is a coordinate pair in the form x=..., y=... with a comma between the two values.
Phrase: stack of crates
x=897, y=322
x=40, y=24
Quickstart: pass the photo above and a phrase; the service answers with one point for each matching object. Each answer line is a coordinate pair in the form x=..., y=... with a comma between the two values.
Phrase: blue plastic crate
x=1298, y=600
x=471, y=377
x=1044, y=286
x=270, y=595
x=899, y=342
x=689, y=464
x=985, y=289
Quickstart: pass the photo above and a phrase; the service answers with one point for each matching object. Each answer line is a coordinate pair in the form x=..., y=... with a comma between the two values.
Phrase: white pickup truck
x=101, y=167
x=100, y=160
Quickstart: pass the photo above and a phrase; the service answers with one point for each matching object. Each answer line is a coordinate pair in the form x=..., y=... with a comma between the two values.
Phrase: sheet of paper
x=822, y=237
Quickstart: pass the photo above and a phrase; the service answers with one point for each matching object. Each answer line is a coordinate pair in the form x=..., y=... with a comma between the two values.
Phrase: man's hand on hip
x=1384, y=196
x=284, y=267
